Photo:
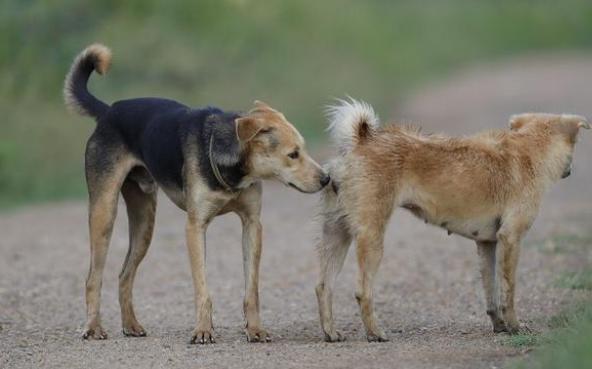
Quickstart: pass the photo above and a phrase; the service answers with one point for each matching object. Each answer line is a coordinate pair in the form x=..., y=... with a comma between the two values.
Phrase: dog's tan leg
x=370, y=247
x=141, y=210
x=196, y=244
x=103, y=195
x=507, y=253
x=332, y=249
x=249, y=210
x=486, y=251
x=508, y=250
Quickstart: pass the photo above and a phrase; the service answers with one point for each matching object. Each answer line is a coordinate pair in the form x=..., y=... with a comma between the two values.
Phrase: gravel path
x=428, y=292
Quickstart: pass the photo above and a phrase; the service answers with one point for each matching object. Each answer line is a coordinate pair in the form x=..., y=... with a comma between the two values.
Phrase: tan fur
x=486, y=187
x=269, y=152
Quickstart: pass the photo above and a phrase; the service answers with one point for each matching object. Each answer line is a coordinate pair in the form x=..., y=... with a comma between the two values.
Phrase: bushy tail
x=351, y=122
x=95, y=57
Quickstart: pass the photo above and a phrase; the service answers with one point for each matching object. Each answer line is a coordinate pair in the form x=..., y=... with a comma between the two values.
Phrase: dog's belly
x=483, y=228
x=175, y=194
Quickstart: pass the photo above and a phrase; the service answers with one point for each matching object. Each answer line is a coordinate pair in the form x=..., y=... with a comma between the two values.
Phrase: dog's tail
x=95, y=57
x=351, y=122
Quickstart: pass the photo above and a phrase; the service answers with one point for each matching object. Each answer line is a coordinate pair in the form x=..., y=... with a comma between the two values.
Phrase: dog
x=207, y=161
x=486, y=187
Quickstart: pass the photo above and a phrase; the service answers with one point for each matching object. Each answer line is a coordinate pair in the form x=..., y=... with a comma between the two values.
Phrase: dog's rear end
x=349, y=210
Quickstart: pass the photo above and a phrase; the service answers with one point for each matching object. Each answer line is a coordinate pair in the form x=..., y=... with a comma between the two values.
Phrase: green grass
x=523, y=340
x=568, y=343
x=562, y=243
x=581, y=280
x=564, y=320
x=293, y=54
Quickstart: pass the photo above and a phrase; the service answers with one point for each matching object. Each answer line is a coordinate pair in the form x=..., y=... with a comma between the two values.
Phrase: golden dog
x=486, y=187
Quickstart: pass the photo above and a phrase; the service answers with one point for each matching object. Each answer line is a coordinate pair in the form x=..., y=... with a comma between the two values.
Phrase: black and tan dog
x=208, y=162
x=486, y=187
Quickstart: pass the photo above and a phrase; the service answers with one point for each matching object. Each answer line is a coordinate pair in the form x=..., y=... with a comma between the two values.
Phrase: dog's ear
x=248, y=128
x=570, y=125
x=262, y=106
x=579, y=120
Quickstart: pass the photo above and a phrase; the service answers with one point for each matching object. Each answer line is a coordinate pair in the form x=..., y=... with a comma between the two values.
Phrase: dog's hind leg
x=332, y=248
x=141, y=210
x=486, y=251
x=105, y=173
x=369, y=247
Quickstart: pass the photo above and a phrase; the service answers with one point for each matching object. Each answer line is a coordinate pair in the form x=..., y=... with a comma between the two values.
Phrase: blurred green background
x=295, y=55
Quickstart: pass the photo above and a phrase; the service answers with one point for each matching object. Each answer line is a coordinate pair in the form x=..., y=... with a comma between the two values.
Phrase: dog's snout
x=566, y=173
x=325, y=179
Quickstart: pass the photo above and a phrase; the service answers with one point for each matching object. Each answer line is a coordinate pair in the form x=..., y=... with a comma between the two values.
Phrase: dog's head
x=562, y=129
x=275, y=149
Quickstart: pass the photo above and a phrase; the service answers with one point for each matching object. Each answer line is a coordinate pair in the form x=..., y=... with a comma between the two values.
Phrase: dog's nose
x=566, y=173
x=325, y=179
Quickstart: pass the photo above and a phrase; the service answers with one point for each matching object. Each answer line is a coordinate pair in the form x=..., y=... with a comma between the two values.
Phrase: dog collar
x=216, y=170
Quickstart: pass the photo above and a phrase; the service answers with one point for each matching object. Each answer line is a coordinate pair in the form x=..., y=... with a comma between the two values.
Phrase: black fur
x=160, y=133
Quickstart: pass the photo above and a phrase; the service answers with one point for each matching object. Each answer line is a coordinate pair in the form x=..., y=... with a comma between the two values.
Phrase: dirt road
x=428, y=291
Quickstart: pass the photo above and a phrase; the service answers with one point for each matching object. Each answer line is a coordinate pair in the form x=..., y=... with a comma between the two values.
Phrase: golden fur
x=486, y=187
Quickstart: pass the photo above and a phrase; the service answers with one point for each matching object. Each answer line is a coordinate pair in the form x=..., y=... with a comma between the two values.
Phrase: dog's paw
x=335, y=336
x=499, y=326
x=377, y=337
x=94, y=333
x=518, y=328
x=257, y=335
x=202, y=336
x=134, y=330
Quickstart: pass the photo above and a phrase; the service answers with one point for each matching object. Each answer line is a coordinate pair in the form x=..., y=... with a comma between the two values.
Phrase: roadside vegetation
x=294, y=54
x=568, y=342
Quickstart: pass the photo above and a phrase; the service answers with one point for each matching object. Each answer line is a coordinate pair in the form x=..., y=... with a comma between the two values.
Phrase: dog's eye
x=294, y=155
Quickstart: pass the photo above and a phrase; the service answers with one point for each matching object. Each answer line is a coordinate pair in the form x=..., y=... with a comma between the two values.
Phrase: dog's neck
x=230, y=177
x=216, y=170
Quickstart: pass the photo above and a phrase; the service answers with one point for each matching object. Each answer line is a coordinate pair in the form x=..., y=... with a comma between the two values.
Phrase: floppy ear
x=584, y=124
x=247, y=128
x=571, y=124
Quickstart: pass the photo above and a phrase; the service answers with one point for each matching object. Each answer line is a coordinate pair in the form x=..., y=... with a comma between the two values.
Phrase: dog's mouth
x=298, y=188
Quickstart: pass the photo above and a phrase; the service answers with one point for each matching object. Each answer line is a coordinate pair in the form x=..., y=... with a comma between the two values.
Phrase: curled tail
x=95, y=57
x=351, y=122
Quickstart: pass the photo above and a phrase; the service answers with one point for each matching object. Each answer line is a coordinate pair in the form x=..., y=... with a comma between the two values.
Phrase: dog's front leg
x=249, y=211
x=506, y=258
x=196, y=231
x=251, y=257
